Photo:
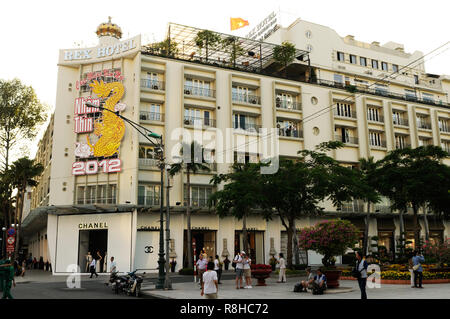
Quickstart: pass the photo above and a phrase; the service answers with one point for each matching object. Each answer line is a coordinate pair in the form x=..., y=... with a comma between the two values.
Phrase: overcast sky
x=33, y=31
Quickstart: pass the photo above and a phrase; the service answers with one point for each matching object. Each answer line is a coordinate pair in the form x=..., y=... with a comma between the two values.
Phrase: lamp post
x=168, y=283
x=3, y=241
x=149, y=135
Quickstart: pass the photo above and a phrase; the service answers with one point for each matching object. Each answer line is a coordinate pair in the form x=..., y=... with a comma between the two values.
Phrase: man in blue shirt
x=319, y=283
x=418, y=270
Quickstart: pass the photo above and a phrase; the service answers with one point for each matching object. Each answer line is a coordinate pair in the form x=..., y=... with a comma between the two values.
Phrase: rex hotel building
x=100, y=190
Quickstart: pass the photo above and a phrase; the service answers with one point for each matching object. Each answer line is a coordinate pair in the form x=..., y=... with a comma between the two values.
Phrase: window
x=427, y=97
x=445, y=145
x=352, y=59
x=410, y=95
x=384, y=66
x=381, y=89
x=197, y=117
x=363, y=61
x=338, y=79
x=398, y=118
x=400, y=142
x=373, y=114
x=374, y=64
x=151, y=112
x=246, y=158
x=444, y=125
x=308, y=34
x=425, y=141
x=340, y=56
x=423, y=122
x=199, y=195
x=416, y=79
x=244, y=94
x=345, y=135
x=395, y=68
x=343, y=109
x=151, y=80
x=375, y=139
x=149, y=195
x=244, y=122
x=198, y=87
x=147, y=156
x=285, y=101
x=96, y=194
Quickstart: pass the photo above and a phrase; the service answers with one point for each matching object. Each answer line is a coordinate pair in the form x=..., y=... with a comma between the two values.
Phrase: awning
x=386, y=224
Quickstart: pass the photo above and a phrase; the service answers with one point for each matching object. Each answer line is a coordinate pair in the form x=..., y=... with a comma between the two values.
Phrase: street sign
x=11, y=232
x=11, y=240
x=9, y=248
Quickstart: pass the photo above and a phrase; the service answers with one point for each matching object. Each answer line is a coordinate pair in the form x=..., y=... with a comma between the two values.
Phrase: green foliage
x=167, y=47
x=206, y=38
x=21, y=114
x=232, y=46
x=284, y=53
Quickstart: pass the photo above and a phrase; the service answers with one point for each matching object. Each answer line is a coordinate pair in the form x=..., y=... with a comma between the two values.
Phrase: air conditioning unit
x=187, y=92
x=155, y=87
x=278, y=104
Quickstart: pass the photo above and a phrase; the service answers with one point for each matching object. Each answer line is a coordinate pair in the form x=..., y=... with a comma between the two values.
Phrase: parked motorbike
x=129, y=284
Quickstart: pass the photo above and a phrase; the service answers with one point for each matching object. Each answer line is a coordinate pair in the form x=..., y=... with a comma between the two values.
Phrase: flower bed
x=403, y=277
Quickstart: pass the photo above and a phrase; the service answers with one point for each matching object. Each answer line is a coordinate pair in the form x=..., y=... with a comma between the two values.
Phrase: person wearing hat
x=238, y=260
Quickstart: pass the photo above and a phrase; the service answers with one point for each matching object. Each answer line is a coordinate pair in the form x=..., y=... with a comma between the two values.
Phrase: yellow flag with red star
x=237, y=23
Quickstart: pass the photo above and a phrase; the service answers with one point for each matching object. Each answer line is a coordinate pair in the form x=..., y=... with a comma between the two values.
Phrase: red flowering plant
x=261, y=267
x=329, y=238
x=437, y=252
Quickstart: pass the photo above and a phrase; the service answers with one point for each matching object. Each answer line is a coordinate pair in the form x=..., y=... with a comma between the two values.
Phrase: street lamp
x=168, y=283
x=159, y=148
x=3, y=240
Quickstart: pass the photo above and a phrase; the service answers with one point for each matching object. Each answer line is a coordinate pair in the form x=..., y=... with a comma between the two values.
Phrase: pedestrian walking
x=210, y=285
x=218, y=268
x=361, y=267
x=418, y=259
x=239, y=269
x=411, y=270
x=201, y=267
x=7, y=268
x=247, y=271
x=92, y=268
x=282, y=262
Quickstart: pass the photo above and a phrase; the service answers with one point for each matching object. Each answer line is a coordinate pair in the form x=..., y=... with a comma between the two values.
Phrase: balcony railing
x=400, y=121
x=346, y=140
x=400, y=146
x=97, y=200
x=424, y=124
x=378, y=92
x=373, y=118
x=283, y=104
x=197, y=202
x=246, y=98
x=212, y=167
x=290, y=132
x=153, y=84
x=445, y=129
x=189, y=120
x=355, y=206
x=148, y=163
x=344, y=113
x=151, y=116
x=248, y=127
x=372, y=143
x=148, y=200
x=198, y=91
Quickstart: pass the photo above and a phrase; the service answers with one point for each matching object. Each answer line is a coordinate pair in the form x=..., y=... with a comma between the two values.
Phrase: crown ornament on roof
x=109, y=29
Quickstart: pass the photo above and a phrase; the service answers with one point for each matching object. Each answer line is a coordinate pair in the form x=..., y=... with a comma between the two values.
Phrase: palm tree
x=23, y=171
x=191, y=164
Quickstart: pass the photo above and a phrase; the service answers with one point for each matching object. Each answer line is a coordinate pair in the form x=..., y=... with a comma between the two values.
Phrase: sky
x=33, y=32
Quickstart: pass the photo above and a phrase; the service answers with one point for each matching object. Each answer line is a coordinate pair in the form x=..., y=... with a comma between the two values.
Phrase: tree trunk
x=290, y=232
x=188, y=219
x=244, y=234
x=366, y=231
x=425, y=219
x=416, y=230
x=295, y=243
x=402, y=232
x=21, y=196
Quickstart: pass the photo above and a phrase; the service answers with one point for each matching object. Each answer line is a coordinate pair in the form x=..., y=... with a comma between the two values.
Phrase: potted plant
x=261, y=272
x=232, y=46
x=208, y=40
x=329, y=238
x=284, y=54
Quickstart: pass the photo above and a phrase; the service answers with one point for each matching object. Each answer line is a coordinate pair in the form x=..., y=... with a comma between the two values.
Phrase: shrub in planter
x=186, y=271
x=261, y=272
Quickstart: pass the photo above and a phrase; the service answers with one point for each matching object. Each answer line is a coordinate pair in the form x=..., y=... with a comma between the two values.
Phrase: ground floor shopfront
x=132, y=238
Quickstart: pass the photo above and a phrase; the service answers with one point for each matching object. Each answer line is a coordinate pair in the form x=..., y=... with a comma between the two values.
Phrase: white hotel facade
x=111, y=204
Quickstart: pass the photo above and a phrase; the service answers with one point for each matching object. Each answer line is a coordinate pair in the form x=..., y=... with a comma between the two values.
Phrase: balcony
x=151, y=116
x=246, y=98
x=199, y=121
x=400, y=146
x=400, y=121
x=248, y=127
x=197, y=202
x=344, y=113
x=346, y=140
x=373, y=143
x=283, y=104
x=212, y=167
x=148, y=200
x=423, y=125
x=152, y=84
x=148, y=163
x=290, y=133
x=198, y=91
x=444, y=128
x=356, y=206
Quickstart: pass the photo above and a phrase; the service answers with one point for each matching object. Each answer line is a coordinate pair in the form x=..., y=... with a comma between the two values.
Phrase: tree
x=23, y=171
x=298, y=188
x=21, y=113
x=167, y=47
x=5, y=197
x=207, y=39
x=192, y=162
x=241, y=193
x=368, y=191
x=414, y=178
x=232, y=46
x=284, y=54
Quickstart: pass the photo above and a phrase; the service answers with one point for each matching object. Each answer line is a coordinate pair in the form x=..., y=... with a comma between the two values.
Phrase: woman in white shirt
x=209, y=282
x=218, y=268
x=247, y=271
x=282, y=262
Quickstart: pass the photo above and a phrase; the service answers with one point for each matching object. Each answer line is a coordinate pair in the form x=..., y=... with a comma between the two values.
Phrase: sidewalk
x=274, y=290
